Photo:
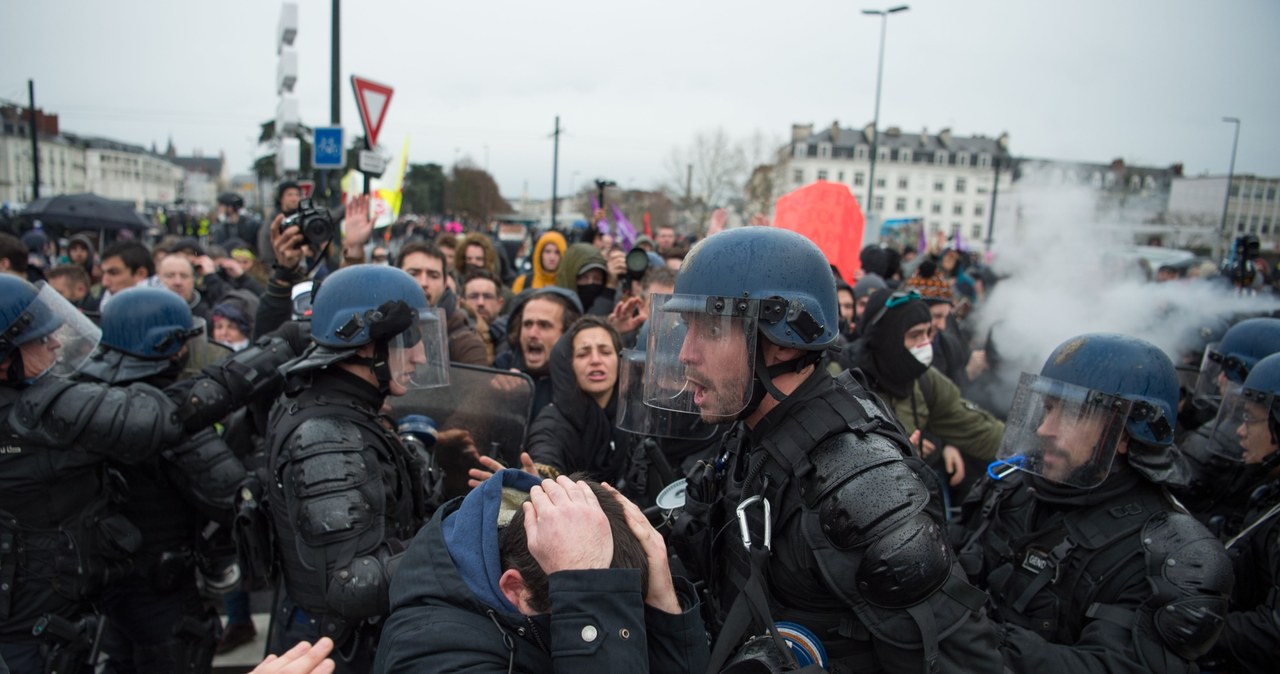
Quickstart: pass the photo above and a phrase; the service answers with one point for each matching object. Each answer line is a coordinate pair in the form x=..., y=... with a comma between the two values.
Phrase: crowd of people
x=734, y=459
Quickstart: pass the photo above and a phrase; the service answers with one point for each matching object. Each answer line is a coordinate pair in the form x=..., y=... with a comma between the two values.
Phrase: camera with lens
x=638, y=262
x=314, y=223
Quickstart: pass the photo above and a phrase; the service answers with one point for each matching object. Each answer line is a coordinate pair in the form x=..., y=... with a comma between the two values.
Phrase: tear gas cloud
x=1071, y=270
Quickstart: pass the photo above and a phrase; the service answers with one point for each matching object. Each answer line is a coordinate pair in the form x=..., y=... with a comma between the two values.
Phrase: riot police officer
x=61, y=537
x=346, y=495
x=810, y=528
x=1219, y=483
x=1090, y=565
x=1252, y=635
x=156, y=620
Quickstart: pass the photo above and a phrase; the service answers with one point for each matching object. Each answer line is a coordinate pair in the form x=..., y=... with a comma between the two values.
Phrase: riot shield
x=490, y=407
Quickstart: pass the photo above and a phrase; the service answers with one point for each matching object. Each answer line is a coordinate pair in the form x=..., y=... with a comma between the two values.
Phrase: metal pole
x=995, y=191
x=875, y=122
x=1223, y=234
x=335, y=94
x=555, y=172
x=35, y=140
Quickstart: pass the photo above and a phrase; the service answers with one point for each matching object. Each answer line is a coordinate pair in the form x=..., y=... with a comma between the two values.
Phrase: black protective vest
x=1044, y=564
x=822, y=443
x=402, y=476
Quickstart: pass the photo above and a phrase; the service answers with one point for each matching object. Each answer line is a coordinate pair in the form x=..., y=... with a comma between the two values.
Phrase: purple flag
x=626, y=232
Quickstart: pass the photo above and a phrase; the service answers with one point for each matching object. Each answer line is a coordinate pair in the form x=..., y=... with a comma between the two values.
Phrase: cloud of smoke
x=1070, y=274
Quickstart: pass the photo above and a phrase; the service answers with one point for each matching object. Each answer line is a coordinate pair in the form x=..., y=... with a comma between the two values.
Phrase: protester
x=483, y=298
x=585, y=272
x=577, y=432
x=178, y=275
x=427, y=266
x=522, y=576
x=71, y=281
x=537, y=321
x=124, y=265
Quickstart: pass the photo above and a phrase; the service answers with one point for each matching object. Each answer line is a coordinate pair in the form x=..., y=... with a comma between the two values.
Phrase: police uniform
x=1090, y=564
x=345, y=495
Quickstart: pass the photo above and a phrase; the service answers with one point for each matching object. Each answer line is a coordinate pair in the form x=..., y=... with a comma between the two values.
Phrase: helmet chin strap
x=378, y=365
x=764, y=374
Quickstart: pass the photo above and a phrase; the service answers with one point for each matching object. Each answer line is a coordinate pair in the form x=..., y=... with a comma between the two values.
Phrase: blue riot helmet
x=1243, y=345
x=382, y=307
x=1094, y=393
x=702, y=351
x=1250, y=414
x=37, y=312
x=143, y=332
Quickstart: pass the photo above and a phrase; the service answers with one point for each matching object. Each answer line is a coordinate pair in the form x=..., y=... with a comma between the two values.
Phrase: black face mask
x=588, y=292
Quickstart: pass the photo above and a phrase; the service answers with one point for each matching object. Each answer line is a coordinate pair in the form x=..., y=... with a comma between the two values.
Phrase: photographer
x=299, y=247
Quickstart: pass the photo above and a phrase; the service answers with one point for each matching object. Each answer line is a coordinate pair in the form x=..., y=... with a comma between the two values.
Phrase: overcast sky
x=1091, y=80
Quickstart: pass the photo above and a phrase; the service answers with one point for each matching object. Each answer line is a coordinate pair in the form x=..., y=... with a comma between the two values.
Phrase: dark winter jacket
x=449, y=615
x=574, y=433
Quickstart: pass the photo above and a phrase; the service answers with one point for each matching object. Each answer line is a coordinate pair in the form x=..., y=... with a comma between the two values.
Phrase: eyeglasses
x=379, y=258
x=895, y=300
x=480, y=296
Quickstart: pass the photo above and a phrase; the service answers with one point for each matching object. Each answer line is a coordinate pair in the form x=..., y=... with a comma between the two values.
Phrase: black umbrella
x=85, y=211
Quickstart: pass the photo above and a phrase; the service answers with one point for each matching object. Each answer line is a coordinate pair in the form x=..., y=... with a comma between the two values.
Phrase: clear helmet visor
x=64, y=337
x=637, y=417
x=1064, y=433
x=700, y=356
x=1242, y=431
x=1216, y=371
x=418, y=358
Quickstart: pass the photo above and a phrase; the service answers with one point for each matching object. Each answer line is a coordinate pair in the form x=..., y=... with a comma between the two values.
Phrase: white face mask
x=923, y=353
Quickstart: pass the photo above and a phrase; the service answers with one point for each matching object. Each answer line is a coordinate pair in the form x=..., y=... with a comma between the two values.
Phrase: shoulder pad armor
x=906, y=564
x=862, y=488
x=337, y=494
x=1192, y=576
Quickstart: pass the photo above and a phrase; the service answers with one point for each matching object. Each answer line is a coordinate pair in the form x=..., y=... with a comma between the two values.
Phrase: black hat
x=231, y=199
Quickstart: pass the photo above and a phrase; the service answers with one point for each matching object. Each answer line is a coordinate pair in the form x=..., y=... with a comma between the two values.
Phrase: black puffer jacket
x=574, y=433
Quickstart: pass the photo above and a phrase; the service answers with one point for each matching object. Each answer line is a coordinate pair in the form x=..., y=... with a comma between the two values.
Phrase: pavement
x=247, y=656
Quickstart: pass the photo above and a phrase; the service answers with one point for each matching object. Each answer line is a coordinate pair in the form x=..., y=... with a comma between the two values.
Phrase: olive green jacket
x=940, y=411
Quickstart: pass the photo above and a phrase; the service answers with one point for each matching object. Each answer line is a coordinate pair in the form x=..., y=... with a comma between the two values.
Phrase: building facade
x=1126, y=202
x=72, y=164
x=943, y=181
x=1253, y=208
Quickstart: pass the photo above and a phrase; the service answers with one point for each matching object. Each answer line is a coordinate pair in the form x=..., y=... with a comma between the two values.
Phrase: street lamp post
x=1223, y=233
x=875, y=122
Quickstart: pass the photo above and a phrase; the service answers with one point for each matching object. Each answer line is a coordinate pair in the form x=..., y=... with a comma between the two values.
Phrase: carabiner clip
x=745, y=529
x=1013, y=464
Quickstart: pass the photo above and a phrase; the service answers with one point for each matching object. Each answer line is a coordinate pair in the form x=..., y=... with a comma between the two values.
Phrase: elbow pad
x=231, y=383
x=362, y=589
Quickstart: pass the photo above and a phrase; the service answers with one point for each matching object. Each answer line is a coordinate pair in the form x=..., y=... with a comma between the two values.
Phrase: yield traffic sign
x=372, y=100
